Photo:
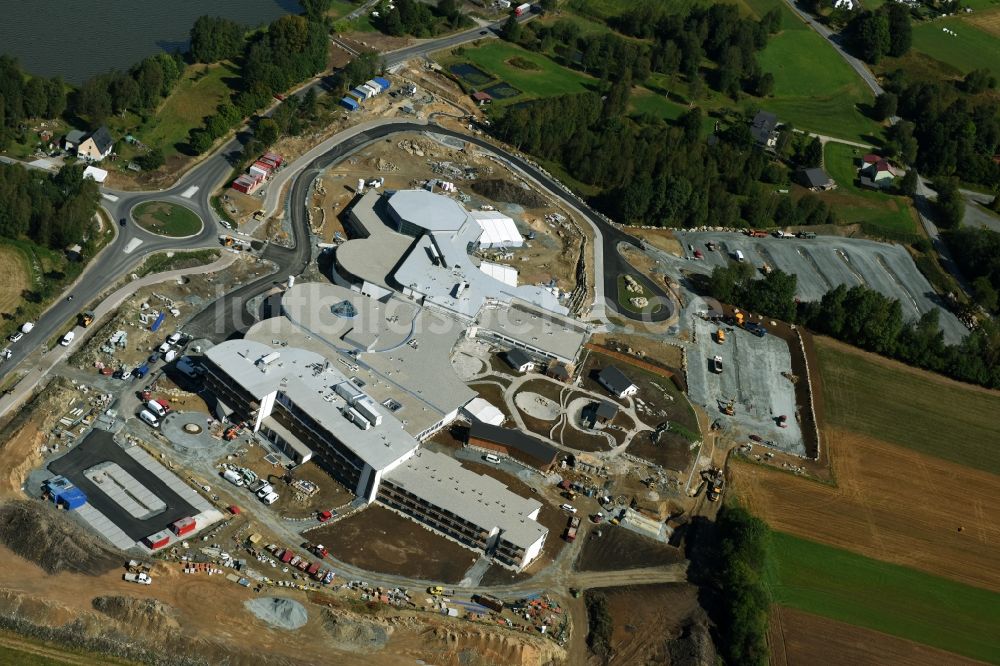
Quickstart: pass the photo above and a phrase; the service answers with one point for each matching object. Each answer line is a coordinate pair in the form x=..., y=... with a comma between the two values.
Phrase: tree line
x=140, y=89
x=53, y=210
x=680, y=43
x=23, y=98
x=412, y=17
x=865, y=318
x=652, y=172
x=977, y=252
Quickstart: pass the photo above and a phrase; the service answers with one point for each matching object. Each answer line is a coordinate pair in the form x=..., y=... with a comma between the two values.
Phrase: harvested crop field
x=379, y=540
x=913, y=408
x=619, y=548
x=797, y=637
x=890, y=504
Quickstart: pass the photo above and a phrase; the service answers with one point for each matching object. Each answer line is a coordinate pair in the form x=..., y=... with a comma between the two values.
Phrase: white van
x=491, y=458
x=67, y=339
x=156, y=408
x=270, y=498
x=233, y=477
x=169, y=356
x=148, y=417
x=174, y=338
x=738, y=255
x=265, y=491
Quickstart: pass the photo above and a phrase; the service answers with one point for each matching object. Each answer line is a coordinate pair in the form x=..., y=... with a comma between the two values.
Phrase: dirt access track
x=797, y=637
x=890, y=503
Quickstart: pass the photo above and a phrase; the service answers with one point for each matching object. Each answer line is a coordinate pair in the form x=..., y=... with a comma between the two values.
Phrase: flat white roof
x=498, y=229
x=433, y=212
x=505, y=274
x=483, y=410
x=477, y=498
x=557, y=335
x=308, y=380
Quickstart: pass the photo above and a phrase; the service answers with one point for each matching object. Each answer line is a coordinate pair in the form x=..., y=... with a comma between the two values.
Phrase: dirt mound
x=483, y=647
x=279, y=612
x=693, y=647
x=355, y=634
x=37, y=532
x=148, y=615
x=502, y=190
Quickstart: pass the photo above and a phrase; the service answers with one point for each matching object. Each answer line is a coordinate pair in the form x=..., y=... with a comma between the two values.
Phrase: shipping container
x=349, y=103
x=158, y=322
x=274, y=157
x=382, y=82
x=158, y=540
x=183, y=526
x=375, y=85
x=521, y=10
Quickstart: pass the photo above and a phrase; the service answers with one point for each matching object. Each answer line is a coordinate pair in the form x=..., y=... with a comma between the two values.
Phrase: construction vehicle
x=717, y=365
x=136, y=566
x=720, y=336
x=436, y=590
x=231, y=433
x=727, y=407
x=766, y=268
x=756, y=329
x=715, y=479
x=712, y=246
x=86, y=318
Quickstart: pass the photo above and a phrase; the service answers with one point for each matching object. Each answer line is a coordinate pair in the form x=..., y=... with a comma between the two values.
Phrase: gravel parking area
x=827, y=261
x=751, y=377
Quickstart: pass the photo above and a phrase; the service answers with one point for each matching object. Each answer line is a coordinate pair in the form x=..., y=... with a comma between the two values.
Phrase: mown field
x=885, y=597
x=538, y=76
x=814, y=88
x=854, y=204
x=971, y=48
x=912, y=408
x=15, y=279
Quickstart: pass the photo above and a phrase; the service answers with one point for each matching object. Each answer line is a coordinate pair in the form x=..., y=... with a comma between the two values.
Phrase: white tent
x=498, y=230
x=505, y=274
x=482, y=410
x=100, y=175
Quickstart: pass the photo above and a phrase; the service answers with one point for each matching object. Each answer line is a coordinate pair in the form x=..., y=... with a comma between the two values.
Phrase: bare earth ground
x=380, y=540
x=890, y=504
x=618, y=549
x=646, y=618
x=797, y=637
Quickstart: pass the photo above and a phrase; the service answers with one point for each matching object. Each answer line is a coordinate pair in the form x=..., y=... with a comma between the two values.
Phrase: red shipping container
x=274, y=157
x=183, y=526
x=158, y=540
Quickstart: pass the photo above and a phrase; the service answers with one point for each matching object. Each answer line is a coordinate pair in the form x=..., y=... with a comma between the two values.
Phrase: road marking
x=109, y=197
x=189, y=192
x=132, y=245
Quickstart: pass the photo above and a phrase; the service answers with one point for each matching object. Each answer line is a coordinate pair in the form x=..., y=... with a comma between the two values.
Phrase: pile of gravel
x=279, y=612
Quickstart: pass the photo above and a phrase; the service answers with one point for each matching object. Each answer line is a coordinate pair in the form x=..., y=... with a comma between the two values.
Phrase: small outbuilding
x=520, y=361
x=63, y=493
x=559, y=370
x=816, y=179
x=604, y=411
x=481, y=98
x=616, y=382
x=479, y=409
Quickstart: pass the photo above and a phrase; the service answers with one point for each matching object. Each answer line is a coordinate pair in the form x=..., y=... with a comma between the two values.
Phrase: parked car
x=568, y=507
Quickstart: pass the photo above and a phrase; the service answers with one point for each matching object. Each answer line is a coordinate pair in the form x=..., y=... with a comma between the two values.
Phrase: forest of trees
x=140, y=90
x=214, y=38
x=883, y=32
x=680, y=42
x=53, y=210
x=655, y=173
x=952, y=131
x=865, y=318
x=23, y=98
x=977, y=252
x=412, y=17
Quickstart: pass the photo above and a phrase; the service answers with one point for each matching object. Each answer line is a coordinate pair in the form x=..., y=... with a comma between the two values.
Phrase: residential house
x=616, y=382
x=763, y=129
x=96, y=146
x=600, y=412
x=520, y=361
x=816, y=179
x=876, y=172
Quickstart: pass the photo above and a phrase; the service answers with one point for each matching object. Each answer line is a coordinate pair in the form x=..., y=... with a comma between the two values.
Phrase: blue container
x=349, y=104
x=158, y=323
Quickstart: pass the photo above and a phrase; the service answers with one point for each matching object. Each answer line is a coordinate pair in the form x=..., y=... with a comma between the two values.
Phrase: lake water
x=78, y=39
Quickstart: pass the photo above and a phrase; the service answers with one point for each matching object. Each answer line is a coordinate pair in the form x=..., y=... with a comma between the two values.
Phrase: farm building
x=514, y=443
x=64, y=494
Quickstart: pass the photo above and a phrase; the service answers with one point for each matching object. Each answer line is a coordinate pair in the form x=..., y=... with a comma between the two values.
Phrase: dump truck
x=138, y=578
x=86, y=318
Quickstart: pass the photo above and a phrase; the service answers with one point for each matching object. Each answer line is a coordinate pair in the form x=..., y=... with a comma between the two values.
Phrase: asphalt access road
x=822, y=263
x=228, y=315
x=99, y=447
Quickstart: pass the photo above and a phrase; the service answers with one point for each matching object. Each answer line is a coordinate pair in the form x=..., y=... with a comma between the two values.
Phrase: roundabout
x=167, y=219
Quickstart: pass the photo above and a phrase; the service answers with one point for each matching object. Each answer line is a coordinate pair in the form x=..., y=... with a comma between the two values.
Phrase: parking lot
x=822, y=263
x=751, y=377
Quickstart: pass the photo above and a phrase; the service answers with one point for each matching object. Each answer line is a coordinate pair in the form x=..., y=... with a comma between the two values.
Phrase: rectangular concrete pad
x=98, y=447
x=174, y=482
x=100, y=523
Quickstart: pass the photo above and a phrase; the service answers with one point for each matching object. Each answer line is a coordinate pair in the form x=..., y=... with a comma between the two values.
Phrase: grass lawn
x=789, y=20
x=167, y=219
x=645, y=101
x=624, y=295
x=547, y=80
x=885, y=597
x=891, y=402
x=855, y=204
x=814, y=88
x=971, y=49
x=196, y=95
x=17, y=276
